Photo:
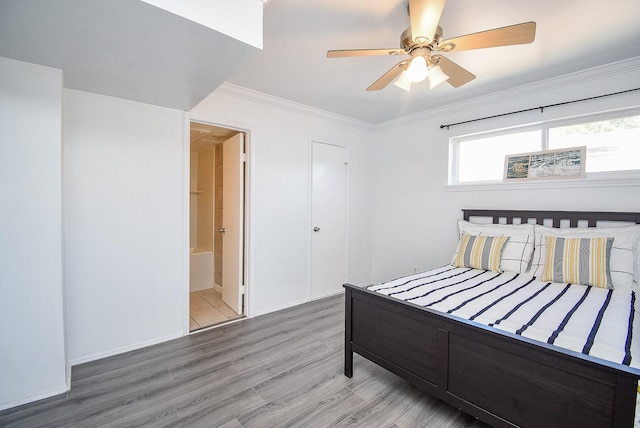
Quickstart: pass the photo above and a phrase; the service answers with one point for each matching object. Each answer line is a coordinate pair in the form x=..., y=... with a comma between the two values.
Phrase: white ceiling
x=571, y=35
x=122, y=48
x=133, y=50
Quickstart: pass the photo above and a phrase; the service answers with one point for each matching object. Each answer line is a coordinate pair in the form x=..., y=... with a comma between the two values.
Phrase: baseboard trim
x=279, y=308
x=36, y=397
x=123, y=349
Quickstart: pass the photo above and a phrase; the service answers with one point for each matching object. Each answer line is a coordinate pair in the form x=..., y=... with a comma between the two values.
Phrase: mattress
x=598, y=322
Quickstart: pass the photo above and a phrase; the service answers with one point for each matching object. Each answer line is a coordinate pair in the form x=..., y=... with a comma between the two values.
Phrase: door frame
x=310, y=217
x=248, y=211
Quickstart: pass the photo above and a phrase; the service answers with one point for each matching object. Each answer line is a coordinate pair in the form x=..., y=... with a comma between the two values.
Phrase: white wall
x=32, y=355
x=124, y=234
x=280, y=159
x=414, y=213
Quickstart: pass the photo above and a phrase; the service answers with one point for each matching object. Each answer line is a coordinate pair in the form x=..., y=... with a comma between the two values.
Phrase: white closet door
x=329, y=219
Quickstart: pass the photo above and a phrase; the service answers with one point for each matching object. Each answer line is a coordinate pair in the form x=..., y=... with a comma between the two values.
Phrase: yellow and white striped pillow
x=480, y=252
x=578, y=261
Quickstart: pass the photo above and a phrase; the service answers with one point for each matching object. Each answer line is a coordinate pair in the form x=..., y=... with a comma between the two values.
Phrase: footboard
x=503, y=379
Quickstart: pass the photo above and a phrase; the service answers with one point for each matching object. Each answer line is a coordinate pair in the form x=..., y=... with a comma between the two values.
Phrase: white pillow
x=622, y=262
x=516, y=253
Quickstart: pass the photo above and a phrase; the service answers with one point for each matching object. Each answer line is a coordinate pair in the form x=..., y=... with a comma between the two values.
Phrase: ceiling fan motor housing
x=408, y=43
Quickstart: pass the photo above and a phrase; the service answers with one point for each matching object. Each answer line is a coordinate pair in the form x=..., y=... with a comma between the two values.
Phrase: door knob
x=222, y=230
x=316, y=229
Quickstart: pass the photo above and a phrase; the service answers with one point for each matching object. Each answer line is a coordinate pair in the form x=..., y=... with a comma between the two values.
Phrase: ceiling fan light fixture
x=417, y=70
x=403, y=82
x=436, y=76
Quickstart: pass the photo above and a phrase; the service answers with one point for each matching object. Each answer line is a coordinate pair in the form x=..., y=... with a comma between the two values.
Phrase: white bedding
x=594, y=321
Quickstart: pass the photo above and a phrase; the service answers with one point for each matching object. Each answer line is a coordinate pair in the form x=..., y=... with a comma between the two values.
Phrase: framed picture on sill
x=546, y=164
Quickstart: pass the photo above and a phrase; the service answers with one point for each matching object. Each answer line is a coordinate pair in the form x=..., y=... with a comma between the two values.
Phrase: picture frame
x=546, y=164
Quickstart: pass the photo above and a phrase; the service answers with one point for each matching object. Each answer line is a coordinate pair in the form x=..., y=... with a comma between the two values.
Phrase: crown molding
x=290, y=106
x=607, y=71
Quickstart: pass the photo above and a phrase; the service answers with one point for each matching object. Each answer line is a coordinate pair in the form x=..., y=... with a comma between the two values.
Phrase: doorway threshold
x=220, y=324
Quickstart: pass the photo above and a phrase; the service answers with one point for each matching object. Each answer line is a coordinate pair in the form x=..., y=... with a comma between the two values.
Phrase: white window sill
x=626, y=179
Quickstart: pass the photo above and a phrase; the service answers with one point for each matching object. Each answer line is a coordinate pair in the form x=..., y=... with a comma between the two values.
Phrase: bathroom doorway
x=216, y=225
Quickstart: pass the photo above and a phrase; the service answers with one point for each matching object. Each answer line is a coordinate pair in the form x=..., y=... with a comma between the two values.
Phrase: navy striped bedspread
x=595, y=321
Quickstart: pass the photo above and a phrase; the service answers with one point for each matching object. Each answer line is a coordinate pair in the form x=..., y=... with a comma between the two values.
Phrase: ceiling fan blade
x=364, y=52
x=517, y=34
x=425, y=15
x=458, y=76
x=388, y=76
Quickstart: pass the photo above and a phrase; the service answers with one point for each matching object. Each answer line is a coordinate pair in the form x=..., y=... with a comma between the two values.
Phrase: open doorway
x=216, y=225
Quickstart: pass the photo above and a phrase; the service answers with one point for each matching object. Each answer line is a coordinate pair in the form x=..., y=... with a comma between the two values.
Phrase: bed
x=499, y=375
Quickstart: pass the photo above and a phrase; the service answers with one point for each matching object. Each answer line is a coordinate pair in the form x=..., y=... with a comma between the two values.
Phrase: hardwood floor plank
x=326, y=412
x=323, y=366
x=432, y=412
x=209, y=410
x=281, y=369
x=152, y=403
x=388, y=407
x=370, y=380
x=232, y=424
x=293, y=407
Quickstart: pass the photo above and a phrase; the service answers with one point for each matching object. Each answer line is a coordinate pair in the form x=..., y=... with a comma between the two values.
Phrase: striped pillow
x=517, y=252
x=480, y=252
x=578, y=261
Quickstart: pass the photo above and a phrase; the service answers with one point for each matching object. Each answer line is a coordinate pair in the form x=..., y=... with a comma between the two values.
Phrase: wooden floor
x=281, y=369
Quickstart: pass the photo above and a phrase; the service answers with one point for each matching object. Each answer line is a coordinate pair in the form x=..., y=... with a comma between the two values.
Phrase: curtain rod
x=541, y=108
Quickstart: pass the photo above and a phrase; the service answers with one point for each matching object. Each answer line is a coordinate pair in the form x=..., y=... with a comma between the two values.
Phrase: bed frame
x=501, y=378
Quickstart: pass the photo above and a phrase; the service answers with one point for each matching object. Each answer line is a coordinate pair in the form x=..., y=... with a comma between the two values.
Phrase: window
x=613, y=144
x=483, y=159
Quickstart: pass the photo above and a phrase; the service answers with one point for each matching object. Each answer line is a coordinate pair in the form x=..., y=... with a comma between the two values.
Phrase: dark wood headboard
x=591, y=217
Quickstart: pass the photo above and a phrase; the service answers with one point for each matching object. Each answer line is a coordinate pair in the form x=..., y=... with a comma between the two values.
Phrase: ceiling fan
x=423, y=39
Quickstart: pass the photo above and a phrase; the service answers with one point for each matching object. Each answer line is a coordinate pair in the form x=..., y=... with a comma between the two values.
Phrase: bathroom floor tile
x=193, y=325
x=208, y=316
x=208, y=292
x=207, y=308
x=213, y=299
x=226, y=310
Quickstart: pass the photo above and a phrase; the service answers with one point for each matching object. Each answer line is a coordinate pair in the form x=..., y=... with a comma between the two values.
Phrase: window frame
x=590, y=179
